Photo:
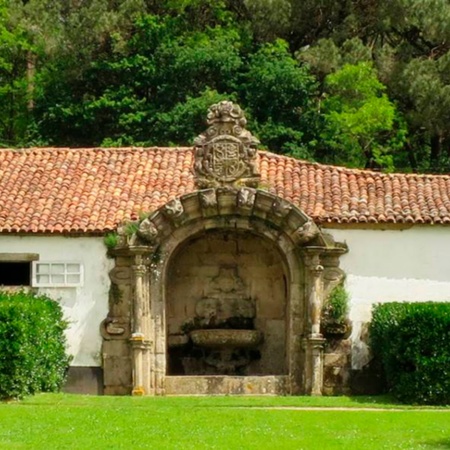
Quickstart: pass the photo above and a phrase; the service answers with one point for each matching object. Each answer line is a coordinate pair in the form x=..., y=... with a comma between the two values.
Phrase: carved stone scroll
x=306, y=232
x=147, y=231
x=281, y=208
x=226, y=152
x=173, y=209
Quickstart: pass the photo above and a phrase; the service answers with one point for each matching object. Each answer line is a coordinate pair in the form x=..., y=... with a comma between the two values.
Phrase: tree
x=277, y=92
x=361, y=123
x=14, y=47
x=127, y=72
x=408, y=42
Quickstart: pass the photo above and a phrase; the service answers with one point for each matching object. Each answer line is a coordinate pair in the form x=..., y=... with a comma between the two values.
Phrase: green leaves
x=412, y=340
x=360, y=120
x=277, y=91
x=369, y=86
x=32, y=345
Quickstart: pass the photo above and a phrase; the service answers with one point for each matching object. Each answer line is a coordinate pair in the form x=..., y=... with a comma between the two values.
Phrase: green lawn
x=58, y=421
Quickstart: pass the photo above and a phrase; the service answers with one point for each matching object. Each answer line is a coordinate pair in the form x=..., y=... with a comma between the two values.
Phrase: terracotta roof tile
x=55, y=190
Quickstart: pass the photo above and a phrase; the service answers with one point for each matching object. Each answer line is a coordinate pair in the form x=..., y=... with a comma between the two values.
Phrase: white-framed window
x=57, y=274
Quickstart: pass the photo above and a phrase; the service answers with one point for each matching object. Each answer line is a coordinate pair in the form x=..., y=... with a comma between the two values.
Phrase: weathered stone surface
x=283, y=267
x=273, y=350
x=226, y=385
x=117, y=370
x=84, y=380
x=217, y=282
x=116, y=349
x=226, y=152
x=120, y=274
x=335, y=359
x=336, y=380
x=117, y=390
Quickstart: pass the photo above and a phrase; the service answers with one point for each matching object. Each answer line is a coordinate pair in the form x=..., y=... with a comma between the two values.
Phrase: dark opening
x=15, y=273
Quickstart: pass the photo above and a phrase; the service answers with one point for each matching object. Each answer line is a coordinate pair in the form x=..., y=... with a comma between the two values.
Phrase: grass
x=62, y=421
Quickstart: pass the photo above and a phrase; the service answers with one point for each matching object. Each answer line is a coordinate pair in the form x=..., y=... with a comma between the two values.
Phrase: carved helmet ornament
x=226, y=154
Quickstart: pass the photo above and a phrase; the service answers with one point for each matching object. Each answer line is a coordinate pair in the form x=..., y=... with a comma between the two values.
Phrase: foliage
x=361, y=123
x=409, y=44
x=277, y=91
x=141, y=72
x=412, y=342
x=32, y=345
x=336, y=307
x=110, y=240
x=131, y=227
x=160, y=85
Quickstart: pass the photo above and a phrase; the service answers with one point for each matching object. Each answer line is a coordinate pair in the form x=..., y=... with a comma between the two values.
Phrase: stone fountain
x=223, y=328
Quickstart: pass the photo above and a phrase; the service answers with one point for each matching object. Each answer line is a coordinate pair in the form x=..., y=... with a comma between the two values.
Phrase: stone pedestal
x=314, y=345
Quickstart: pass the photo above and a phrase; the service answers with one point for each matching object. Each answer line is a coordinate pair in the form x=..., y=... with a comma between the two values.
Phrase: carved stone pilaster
x=333, y=274
x=315, y=296
x=314, y=346
x=314, y=343
x=140, y=348
x=139, y=271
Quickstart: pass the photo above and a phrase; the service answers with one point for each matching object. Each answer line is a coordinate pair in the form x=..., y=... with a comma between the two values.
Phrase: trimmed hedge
x=412, y=341
x=32, y=345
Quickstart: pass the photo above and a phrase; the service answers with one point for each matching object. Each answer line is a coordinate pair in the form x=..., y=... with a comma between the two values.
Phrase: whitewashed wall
x=393, y=265
x=381, y=266
x=84, y=307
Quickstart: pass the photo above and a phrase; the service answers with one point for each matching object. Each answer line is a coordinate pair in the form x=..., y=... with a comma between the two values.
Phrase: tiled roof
x=53, y=190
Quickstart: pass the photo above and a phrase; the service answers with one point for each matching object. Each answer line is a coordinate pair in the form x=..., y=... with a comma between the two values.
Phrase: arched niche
x=227, y=279
x=181, y=239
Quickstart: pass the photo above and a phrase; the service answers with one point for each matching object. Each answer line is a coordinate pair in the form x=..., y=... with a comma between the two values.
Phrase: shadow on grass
x=441, y=444
x=384, y=399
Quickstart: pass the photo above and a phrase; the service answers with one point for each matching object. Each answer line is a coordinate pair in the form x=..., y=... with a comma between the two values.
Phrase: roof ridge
x=77, y=149
x=353, y=170
x=267, y=153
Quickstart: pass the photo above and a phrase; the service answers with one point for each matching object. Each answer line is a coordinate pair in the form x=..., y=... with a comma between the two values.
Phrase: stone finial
x=226, y=154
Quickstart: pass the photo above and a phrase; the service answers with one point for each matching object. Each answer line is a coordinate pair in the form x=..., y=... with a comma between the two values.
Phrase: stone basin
x=226, y=338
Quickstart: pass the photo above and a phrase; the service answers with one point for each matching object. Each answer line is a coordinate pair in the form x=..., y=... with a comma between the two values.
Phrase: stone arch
x=311, y=258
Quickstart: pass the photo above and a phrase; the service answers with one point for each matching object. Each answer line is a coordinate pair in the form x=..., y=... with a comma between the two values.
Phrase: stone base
x=227, y=385
x=84, y=380
x=337, y=367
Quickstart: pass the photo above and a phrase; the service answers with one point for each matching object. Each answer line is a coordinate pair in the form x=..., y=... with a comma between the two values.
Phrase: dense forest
x=362, y=83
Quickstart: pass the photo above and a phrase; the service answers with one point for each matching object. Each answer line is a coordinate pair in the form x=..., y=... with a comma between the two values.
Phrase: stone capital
x=139, y=270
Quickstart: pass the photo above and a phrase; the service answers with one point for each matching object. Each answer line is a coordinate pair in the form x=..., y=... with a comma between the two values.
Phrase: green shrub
x=32, y=345
x=111, y=240
x=412, y=341
x=336, y=306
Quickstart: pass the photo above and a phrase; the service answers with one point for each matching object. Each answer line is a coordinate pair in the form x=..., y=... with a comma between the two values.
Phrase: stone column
x=139, y=341
x=314, y=341
x=315, y=295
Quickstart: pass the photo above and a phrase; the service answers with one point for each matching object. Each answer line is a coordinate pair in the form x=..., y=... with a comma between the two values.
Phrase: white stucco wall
x=393, y=265
x=381, y=266
x=84, y=307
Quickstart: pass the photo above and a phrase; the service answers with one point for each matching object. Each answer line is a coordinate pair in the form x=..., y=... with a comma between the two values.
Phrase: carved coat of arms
x=226, y=152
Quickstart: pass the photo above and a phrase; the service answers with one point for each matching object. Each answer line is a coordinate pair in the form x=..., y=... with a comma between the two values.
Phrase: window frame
x=65, y=273
x=13, y=257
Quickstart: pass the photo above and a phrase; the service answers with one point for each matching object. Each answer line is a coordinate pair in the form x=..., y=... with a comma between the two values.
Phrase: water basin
x=226, y=338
